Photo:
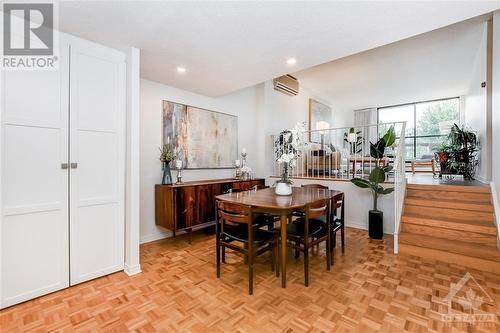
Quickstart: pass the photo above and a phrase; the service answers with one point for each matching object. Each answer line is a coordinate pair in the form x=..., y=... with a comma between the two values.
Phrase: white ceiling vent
x=286, y=84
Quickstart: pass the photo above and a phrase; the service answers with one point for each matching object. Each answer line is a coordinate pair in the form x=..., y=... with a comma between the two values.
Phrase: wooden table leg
x=283, y=223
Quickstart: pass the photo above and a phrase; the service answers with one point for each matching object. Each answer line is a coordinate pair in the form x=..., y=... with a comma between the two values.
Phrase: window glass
x=426, y=146
x=427, y=124
x=398, y=113
x=436, y=118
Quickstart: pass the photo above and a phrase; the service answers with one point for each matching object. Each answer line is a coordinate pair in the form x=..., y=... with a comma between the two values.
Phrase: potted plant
x=463, y=151
x=376, y=177
x=288, y=149
x=443, y=155
x=167, y=155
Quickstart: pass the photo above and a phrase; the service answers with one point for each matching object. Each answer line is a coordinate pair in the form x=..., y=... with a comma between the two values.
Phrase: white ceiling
x=434, y=65
x=226, y=46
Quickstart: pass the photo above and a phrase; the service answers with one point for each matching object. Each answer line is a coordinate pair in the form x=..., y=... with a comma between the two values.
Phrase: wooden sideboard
x=191, y=205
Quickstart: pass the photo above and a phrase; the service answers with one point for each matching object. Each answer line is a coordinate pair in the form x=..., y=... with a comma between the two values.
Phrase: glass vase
x=167, y=174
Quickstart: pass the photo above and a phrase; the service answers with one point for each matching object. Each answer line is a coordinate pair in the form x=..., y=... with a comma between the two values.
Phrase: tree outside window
x=428, y=123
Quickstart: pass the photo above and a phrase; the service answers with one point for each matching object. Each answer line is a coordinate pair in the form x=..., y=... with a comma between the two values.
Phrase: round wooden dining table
x=266, y=200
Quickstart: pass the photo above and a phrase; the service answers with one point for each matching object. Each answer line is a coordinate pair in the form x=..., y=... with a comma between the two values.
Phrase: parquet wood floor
x=368, y=290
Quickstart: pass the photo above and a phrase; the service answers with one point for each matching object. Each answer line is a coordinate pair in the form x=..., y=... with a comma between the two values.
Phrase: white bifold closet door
x=62, y=160
x=34, y=185
x=97, y=150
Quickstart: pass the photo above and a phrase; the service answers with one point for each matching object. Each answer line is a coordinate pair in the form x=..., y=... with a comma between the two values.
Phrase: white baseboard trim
x=496, y=207
x=168, y=234
x=363, y=226
x=482, y=180
x=155, y=236
x=356, y=225
x=132, y=270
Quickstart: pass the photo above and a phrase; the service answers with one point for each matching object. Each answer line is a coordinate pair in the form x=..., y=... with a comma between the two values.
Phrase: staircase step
x=451, y=188
x=449, y=223
x=451, y=234
x=453, y=204
x=458, y=247
x=476, y=263
x=447, y=213
x=473, y=197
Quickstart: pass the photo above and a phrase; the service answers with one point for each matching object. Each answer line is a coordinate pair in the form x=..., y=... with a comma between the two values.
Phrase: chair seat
x=316, y=227
x=263, y=219
x=337, y=224
x=240, y=233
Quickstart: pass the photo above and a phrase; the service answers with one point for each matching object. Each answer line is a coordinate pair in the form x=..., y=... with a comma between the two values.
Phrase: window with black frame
x=427, y=124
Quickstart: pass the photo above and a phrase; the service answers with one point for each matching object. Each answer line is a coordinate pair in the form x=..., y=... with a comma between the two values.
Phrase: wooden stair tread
x=454, y=204
x=452, y=234
x=451, y=188
x=449, y=213
x=450, y=223
x=449, y=195
x=477, y=263
x=455, y=246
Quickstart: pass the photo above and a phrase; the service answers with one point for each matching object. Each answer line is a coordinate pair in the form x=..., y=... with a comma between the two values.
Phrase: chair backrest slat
x=315, y=186
x=234, y=213
x=317, y=209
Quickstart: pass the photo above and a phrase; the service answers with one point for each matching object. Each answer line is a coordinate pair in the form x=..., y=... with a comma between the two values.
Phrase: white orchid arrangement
x=289, y=145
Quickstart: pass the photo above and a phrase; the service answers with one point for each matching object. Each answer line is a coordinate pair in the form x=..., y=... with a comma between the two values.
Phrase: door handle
x=74, y=165
x=64, y=166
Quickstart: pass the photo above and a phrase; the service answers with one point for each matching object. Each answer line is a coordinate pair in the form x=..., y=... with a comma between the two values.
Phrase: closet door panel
x=97, y=145
x=97, y=181
x=38, y=102
x=33, y=167
x=34, y=256
x=34, y=227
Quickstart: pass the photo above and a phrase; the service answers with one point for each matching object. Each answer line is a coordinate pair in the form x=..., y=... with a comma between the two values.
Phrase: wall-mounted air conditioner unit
x=286, y=84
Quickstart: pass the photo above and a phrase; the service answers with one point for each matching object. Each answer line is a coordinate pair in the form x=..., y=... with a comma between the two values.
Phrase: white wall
x=261, y=112
x=475, y=105
x=496, y=116
x=242, y=104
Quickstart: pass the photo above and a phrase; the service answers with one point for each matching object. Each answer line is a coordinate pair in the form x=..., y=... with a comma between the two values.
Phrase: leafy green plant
x=462, y=148
x=355, y=146
x=379, y=174
x=167, y=153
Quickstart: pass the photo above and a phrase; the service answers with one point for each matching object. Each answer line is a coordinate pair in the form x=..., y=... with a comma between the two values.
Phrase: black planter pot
x=376, y=224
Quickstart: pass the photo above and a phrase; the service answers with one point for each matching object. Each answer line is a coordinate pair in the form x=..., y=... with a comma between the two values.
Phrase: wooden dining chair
x=338, y=223
x=235, y=224
x=310, y=230
x=318, y=186
x=336, y=219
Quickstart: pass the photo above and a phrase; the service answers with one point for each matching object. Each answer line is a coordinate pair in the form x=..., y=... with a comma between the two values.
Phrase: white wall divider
x=399, y=186
x=496, y=207
x=132, y=199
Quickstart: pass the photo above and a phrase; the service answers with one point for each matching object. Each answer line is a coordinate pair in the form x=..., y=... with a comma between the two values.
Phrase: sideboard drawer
x=191, y=205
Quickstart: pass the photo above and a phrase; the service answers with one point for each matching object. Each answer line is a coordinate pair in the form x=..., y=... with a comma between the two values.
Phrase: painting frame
x=234, y=142
x=311, y=115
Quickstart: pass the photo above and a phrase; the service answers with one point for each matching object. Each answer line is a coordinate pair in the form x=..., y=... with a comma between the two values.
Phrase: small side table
x=431, y=163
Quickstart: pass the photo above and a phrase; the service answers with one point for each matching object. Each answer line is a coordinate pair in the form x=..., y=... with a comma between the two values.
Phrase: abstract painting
x=205, y=139
x=320, y=118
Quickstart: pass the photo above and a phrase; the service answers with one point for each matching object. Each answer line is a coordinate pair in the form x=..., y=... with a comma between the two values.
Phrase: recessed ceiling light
x=181, y=70
x=291, y=61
